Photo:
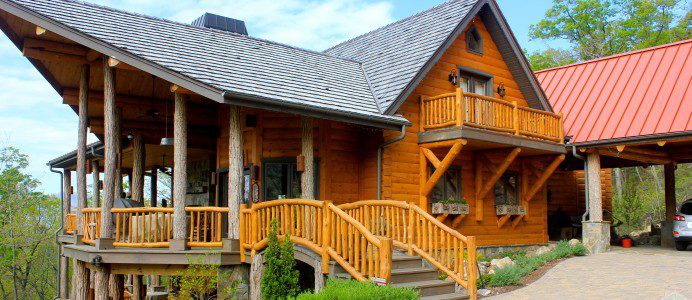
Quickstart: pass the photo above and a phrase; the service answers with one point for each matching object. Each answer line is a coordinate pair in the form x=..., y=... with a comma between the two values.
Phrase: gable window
x=448, y=187
x=474, y=42
x=507, y=189
x=281, y=179
x=474, y=81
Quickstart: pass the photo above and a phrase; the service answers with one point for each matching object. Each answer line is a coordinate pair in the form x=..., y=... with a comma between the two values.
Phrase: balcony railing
x=473, y=110
x=70, y=223
x=152, y=227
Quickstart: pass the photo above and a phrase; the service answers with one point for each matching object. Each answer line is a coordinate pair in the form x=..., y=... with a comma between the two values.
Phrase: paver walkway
x=635, y=273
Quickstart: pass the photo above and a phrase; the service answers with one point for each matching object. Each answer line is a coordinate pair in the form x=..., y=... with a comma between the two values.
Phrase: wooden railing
x=143, y=227
x=321, y=227
x=473, y=110
x=413, y=229
x=70, y=223
x=91, y=222
x=206, y=226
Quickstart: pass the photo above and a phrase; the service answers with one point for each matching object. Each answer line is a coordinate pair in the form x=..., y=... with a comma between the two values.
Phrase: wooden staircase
x=413, y=271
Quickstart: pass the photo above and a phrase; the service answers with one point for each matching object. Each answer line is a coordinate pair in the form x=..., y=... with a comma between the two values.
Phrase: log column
x=179, y=171
x=64, y=261
x=95, y=186
x=138, y=157
x=308, y=176
x=235, y=172
x=667, y=239
x=595, y=232
x=117, y=130
x=81, y=145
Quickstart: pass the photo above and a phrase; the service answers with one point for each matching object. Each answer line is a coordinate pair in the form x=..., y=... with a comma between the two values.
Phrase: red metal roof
x=626, y=95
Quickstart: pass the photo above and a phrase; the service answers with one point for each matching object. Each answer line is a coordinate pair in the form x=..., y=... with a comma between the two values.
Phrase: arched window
x=474, y=42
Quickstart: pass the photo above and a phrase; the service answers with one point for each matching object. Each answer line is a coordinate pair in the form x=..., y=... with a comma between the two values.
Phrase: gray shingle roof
x=224, y=61
x=394, y=54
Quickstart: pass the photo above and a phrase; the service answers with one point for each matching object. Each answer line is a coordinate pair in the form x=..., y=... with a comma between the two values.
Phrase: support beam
x=80, y=280
x=528, y=196
x=235, y=171
x=442, y=166
x=95, y=186
x=179, y=168
x=114, y=63
x=485, y=189
x=593, y=161
x=81, y=145
x=670, y=209
x=138, y=288
x=478, y=185
x=111, y=138
x=116, y=286
x=40, y=30
x=308, y=176
x=138, y=163
x=64, y=261
x=119, y=153
x=180, y=90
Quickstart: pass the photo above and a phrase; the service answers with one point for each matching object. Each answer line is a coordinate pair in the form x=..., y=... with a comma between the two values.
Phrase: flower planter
x=502, y=210
x=450, y=208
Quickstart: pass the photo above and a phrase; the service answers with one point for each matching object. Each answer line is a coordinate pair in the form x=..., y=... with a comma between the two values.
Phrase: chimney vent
x=209, y=20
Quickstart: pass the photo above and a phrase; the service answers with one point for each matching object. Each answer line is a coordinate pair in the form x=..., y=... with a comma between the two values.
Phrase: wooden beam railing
x=70, y=223
x=321, y=227
x=91, y=222
x=414, y=230
x=206, y=226
x=143, y=227
x=479, y=111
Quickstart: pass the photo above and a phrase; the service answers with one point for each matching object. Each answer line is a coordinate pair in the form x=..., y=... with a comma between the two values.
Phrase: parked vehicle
x=682, y=226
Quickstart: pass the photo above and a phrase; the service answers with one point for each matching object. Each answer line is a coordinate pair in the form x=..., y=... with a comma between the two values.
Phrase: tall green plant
x=280, y=279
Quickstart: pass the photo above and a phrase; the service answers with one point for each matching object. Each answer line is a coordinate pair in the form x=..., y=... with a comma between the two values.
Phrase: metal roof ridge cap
x=629, y=139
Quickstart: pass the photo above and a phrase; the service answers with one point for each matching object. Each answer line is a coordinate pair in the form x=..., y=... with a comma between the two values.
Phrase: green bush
x=356, y=290
x=280, y=279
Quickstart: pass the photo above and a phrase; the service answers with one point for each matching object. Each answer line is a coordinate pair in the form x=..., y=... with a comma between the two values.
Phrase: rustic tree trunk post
x=118, y=192
x=80, y=280
x=308, y=176
x=667, y=239
x=179, y=171
x=95, y=188
x=235, y=172
x=138, y=291
x=138, y=161
x=66, y=194
x=154, y=186
x=81, y=145
x=64, y=261
x=595, y=232
x=116, y=286
x=64, y=283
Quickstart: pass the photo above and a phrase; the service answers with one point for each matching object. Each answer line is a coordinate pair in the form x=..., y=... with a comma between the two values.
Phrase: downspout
x=379, y=159
x=57, y=232
x=586, y=182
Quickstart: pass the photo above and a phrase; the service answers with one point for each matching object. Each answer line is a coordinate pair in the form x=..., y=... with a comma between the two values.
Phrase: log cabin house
x=421, y=141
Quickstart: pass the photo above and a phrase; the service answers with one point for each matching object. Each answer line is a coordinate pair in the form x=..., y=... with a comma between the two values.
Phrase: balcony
x=459, y=109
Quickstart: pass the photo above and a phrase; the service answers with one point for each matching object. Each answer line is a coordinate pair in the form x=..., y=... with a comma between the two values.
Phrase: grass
x=351, y=289
x=524, y=265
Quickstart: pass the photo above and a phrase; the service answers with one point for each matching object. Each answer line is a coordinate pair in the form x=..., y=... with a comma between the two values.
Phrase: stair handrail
x=415, y=230
x=321, y=227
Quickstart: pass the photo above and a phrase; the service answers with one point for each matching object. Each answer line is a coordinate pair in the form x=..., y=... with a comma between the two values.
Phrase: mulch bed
x=526, y=280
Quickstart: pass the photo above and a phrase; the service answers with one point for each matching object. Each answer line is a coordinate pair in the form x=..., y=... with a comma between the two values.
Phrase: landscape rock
x=500, y=263
x=484, y=292
x=574, y=242
x=541, y=250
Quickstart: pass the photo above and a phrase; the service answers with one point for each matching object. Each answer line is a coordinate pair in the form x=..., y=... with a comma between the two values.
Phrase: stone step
x=414, y=274
x=450, y=296
x=429, y=287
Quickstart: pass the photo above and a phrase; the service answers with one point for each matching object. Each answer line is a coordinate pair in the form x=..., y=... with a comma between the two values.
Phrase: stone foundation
x=234, y=282
x=491, y=251
x=596, y=236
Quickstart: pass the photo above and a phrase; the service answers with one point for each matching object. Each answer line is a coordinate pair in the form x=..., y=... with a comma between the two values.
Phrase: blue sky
x=33, y=119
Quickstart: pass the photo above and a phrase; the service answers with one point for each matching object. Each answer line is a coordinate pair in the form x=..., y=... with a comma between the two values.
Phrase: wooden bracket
x=457, y=220
x=440, y=166
x=530, y=193
x=502, y=221
x=441, y=217
x=40, y=30
x=482, y=191
x=115, y=63
x=180, y=90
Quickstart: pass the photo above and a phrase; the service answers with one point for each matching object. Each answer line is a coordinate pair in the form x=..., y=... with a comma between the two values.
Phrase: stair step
x=429, y=287
x=405, y=262
x=450, y=296
x=414, y=274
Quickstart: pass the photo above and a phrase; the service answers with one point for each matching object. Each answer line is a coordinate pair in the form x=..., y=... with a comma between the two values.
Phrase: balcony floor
x=487, y=139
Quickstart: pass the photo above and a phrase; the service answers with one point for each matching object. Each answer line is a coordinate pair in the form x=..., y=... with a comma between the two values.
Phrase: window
x=507, y=189
x=281, y=179
x=474, y=42
x=448, y=187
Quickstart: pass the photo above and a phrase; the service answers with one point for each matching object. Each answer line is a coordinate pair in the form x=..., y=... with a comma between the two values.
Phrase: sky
x=34, y=120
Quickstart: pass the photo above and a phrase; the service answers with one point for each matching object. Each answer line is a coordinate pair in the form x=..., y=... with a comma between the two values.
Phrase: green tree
x=280, y=279
x=598, y=28
x=28, y=220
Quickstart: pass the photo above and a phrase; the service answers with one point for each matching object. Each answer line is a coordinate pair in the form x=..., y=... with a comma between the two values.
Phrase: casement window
x=507, y=189
x=448, y=187
x=281, y=179
x=474, y=42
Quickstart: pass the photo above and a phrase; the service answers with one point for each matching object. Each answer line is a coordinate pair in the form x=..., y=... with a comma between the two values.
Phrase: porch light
x=167, y=141
x=453, y=77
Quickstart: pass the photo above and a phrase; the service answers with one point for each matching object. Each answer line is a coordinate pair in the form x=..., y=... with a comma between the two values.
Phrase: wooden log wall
x=567, y=192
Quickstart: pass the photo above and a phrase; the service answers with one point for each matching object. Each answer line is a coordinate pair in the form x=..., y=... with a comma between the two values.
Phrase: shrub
x=280, y=279
x=356, y=290
x=579, y=250
x=198, y=280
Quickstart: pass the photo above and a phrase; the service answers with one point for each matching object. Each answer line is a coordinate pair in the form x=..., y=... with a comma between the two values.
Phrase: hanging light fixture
x=165, y=141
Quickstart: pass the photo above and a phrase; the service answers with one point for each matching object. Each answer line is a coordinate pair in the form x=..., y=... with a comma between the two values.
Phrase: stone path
x=635, y=273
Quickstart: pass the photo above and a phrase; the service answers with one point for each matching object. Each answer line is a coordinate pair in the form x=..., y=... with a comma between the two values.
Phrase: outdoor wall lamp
x=453, y=77
x=130, y=136
x=501, y=90
x=96, y=261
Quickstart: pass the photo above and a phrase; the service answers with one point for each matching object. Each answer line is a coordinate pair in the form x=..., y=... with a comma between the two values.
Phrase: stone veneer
x=596, y=236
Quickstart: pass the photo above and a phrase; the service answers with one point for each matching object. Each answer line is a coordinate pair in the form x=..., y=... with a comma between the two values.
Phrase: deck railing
x=321, y=227
x=91, y=222
x=473, y=110
x=143, y=227
x=206, y=226
x=413, y=229
x=70, y=223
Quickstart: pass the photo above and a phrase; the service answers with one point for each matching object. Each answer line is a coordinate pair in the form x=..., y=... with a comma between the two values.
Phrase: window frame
x=456, y=169
x=290, y=161
x=473, y=32
x=508, y=174
x=478, y=75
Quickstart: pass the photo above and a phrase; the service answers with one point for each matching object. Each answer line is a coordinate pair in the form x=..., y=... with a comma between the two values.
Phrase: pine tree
x=280, y=279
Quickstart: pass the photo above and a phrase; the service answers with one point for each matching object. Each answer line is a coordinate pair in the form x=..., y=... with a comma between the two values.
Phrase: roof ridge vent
x=213, y=21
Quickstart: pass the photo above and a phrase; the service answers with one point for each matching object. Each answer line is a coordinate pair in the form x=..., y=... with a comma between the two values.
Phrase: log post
x=96, y=189
x=138, y=291
x=118, y=192
x=154, y=186
x=81, y=145
x=235, y=172
x=116, y=286
x=66, y=195
x=667, y=239
x=179, y=171
x=80, y=280
x=64, y=261
x=138, y=161
x=593, y=161
x=308, y=177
